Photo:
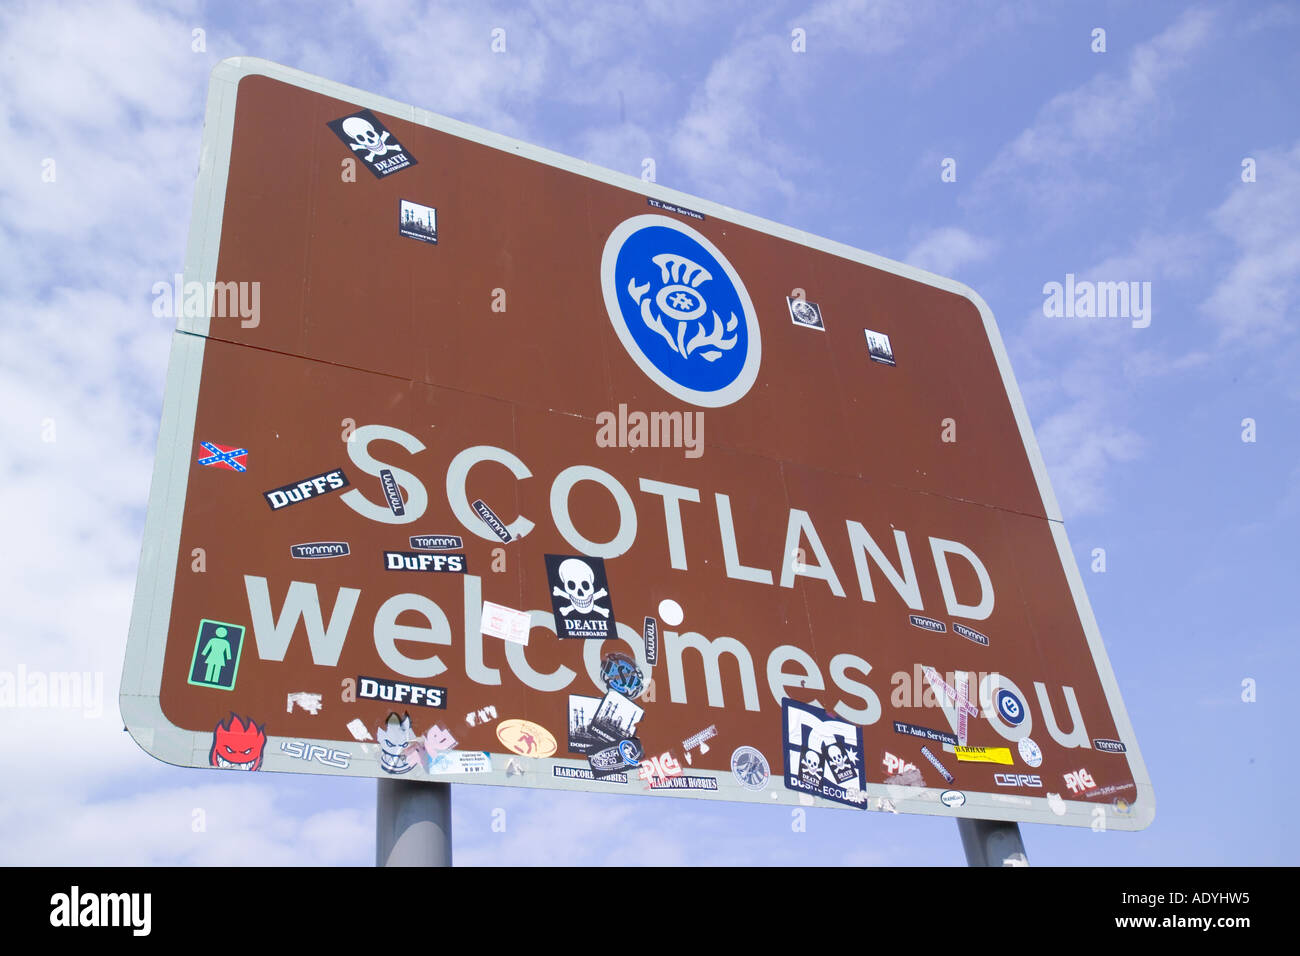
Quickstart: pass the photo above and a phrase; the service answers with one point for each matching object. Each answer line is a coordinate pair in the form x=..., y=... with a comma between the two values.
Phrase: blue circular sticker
x=1010, y=707
x=680, y=310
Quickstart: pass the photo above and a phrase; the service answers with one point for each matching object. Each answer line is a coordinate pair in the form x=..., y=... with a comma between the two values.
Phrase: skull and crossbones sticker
x=368, y=137
x=579, y=596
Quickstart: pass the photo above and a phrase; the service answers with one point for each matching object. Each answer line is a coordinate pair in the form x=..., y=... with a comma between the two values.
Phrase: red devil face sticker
x=237, y=744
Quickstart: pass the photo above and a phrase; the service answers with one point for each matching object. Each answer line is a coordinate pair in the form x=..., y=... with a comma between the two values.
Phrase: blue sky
x=1123, y=166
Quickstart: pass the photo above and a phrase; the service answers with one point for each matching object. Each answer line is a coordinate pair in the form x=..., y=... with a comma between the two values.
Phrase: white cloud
x=727, y=141
x=1256, y=300
x=1105, y=118
x=243, y=823
x=1080, y=444
x=947, y=249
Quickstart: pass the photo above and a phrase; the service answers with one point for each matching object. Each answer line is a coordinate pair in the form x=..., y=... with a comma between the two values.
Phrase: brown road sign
x=457, y=428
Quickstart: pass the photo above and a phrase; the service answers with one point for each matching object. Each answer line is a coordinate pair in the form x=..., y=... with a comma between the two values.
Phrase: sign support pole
x=412, y=823
x=992, y=843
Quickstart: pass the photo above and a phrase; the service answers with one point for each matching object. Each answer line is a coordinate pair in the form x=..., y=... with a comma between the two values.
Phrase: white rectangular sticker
x=461, y=761
x=506, y=623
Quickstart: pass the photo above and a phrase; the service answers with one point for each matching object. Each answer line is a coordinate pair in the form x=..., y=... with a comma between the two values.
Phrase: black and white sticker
x=581, y=710
x=436, y=542
x=625, y=754
x=392, y=493
x=398, y=692
x=823, y=755
x=807, y=314
x=878, y=347
x=927, y=623
x=418, y=222
x=970, y=635
x=651, y=634
x=616, y=718
x=491, y=520
x=672, y=207
x=370, y=139
x=299, y=491
x=580, y=597
x=319, y=549
x=423, y=561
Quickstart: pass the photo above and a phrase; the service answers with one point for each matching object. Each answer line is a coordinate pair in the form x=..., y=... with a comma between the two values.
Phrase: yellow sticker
x=984, y=754
x=526, y=738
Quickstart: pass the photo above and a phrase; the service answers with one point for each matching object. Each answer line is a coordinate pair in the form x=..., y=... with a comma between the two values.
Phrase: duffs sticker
x=506, y=623
x=299, y=491
x=424, y=561
x=401, y=692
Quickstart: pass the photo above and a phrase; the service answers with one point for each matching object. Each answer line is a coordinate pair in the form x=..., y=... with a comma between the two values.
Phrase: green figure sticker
x=216, y=655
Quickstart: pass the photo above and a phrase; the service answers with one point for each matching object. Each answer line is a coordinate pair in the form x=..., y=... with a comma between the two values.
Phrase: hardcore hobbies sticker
x=580, y=597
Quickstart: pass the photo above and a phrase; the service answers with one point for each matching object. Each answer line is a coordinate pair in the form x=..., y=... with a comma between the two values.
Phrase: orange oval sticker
x=526, y=738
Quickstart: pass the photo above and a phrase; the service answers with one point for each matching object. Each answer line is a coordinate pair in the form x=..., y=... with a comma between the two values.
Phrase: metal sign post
x=412, y=823
x=992, y=843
